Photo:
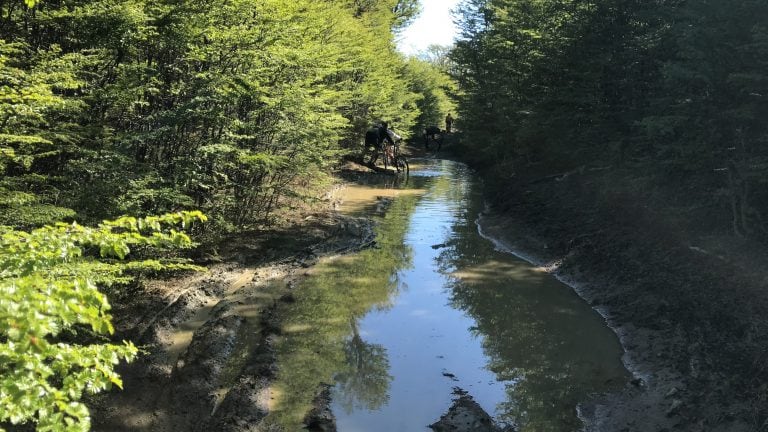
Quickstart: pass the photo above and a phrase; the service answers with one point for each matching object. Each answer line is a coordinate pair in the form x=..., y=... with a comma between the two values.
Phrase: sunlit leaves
x=434, y=87
x=49, y=279
x=288, y=86
x=31, y=87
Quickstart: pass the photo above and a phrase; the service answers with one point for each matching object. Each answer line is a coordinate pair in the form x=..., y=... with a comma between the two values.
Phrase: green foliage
x=30, y=87
x=142, y=106
x=49, y=282
x=404, y=12
x=30, y=215
x=112, y=107
x=672, y=89
x=434, y=87
x=438, y=55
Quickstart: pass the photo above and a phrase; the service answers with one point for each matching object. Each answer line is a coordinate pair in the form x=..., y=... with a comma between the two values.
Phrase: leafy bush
x=49, y=280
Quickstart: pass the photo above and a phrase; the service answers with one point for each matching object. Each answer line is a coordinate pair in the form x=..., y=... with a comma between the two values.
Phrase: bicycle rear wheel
x=375, y=153
x=401, y=164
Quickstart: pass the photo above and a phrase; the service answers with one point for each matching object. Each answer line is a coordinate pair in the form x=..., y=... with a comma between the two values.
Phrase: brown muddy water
x=395, y=329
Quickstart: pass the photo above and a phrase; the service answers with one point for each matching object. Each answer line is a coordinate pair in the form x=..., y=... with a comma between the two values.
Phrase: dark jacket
x=377, y=135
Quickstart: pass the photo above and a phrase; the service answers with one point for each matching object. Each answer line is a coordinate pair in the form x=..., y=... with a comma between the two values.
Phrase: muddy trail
x=318, y=325
x=392, y=313
x=406, y=304
x=206, y=338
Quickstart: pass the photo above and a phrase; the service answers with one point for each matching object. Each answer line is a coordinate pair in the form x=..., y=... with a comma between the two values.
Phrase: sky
x=433, y=26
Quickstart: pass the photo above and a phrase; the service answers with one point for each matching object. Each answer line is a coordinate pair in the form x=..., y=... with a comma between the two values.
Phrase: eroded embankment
x=207, y=338
x=688, y=320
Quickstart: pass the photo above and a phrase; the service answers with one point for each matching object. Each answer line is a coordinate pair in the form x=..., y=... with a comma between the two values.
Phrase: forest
x=130, y=127
x=669, y=95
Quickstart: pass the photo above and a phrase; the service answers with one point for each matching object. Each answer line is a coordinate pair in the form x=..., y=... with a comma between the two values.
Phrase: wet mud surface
x=208, y=340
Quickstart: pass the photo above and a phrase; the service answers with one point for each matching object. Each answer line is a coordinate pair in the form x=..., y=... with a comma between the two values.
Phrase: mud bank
x=687, y=320
x=208, y=361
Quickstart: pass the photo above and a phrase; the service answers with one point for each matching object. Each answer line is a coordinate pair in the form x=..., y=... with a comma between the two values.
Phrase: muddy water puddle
x=395, y=329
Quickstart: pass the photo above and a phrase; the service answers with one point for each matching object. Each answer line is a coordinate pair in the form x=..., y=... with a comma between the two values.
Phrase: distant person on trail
x=432, y=133
x=448, y=123
x=376, y=136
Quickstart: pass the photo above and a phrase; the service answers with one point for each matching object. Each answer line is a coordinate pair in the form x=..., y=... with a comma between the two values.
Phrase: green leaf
x=46, y=286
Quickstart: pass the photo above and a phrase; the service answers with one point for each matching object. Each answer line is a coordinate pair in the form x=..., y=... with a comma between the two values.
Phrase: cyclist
x=375, y=137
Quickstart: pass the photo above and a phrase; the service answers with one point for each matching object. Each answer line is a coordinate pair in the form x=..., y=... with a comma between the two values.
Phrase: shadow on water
x=432, y=307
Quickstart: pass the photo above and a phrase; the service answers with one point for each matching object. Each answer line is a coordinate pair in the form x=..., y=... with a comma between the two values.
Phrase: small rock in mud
x=382, y=203
x=466, y=415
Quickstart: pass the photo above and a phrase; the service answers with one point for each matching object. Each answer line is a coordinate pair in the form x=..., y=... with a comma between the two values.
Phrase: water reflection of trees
x=535, y=333
x=364, y=383
x=320, y=341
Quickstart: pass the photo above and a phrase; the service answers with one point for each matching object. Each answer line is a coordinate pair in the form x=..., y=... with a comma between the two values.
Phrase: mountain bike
x=391, y=157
